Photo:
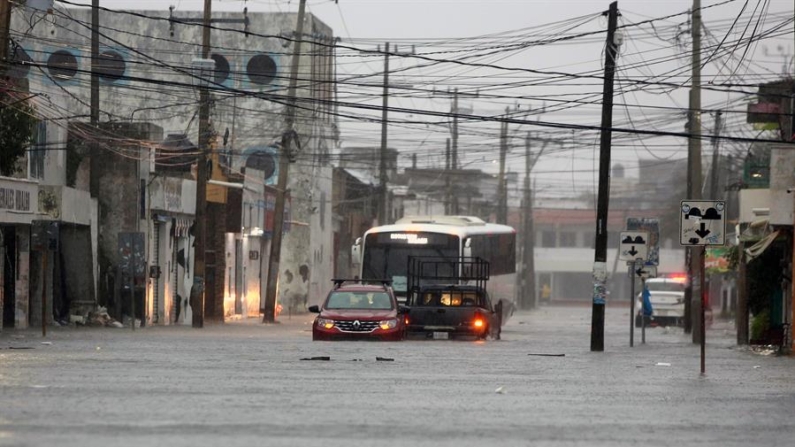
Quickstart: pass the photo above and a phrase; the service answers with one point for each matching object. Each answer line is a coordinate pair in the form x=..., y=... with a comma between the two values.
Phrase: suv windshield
x=359, y=300
x=667, y=286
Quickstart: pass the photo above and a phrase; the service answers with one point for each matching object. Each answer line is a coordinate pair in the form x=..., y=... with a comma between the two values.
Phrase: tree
x=17, y=126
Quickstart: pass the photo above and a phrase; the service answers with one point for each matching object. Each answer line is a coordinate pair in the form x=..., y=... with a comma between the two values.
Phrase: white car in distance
x=667, y=297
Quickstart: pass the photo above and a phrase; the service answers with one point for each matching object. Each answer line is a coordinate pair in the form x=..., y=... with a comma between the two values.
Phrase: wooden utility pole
x=383, y=204
x=285, y=155
x=5, y=25
x=600, y=254
x=694, y=179
x=200, y=226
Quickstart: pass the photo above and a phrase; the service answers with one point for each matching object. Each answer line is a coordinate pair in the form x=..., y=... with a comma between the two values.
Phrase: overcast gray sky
x=449, y=29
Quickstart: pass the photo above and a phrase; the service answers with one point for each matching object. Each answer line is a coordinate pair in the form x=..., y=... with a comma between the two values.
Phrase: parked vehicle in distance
x=667, y=297
x=359, y=311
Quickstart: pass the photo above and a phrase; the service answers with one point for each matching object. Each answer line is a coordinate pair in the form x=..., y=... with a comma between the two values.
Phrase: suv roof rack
x=340, y=281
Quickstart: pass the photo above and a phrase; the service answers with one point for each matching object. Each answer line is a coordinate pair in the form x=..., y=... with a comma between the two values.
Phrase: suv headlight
x=325, y=323
x=388, y=324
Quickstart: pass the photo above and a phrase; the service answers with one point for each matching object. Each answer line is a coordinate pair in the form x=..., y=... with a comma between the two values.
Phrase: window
x=62, y=65
x=568, y=239
x=359, y=300
x=588, y=239
x=221, y=68
x=111, y=66
x=499, y=250
x=37, y=152
x=261, y=69
x=548, y=239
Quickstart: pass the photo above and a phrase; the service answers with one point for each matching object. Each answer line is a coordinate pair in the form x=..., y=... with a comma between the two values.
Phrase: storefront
x=18, y=209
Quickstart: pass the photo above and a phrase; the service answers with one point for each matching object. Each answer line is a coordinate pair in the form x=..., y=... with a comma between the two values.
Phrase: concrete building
x=48, y=234
x=147, y=76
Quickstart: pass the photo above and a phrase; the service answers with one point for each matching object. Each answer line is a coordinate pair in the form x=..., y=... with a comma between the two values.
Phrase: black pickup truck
x=445, y=305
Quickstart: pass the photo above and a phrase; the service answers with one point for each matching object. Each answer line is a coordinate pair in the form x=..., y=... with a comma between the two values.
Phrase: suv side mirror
x=314, y=309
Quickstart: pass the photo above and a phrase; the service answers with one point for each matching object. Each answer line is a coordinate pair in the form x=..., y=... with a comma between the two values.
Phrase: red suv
x=359, y=312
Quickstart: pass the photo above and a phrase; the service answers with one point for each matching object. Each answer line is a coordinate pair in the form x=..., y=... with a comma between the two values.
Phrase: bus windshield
x=386, y=255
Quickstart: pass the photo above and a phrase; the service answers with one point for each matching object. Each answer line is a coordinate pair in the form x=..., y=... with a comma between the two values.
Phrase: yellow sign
x=216, y=193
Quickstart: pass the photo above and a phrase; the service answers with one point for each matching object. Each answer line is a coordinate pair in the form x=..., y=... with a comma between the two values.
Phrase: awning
x=758, y=248
x=756, y=231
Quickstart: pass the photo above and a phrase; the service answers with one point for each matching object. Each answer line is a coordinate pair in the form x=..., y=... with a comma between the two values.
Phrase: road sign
x=651, y=226
x=702, y=222
x=646, y=271
x=633, y=245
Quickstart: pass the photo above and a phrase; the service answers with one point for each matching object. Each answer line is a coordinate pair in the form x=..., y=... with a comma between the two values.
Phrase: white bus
x=384, y=251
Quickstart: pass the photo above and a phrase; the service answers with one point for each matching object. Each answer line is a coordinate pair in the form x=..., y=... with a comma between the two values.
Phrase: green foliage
x=17, y=126
x=760, y=323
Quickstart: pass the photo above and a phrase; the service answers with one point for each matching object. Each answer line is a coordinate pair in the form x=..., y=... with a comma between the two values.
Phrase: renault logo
x=356, y=324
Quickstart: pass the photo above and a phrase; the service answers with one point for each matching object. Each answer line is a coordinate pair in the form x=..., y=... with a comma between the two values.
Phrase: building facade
x=146, y=70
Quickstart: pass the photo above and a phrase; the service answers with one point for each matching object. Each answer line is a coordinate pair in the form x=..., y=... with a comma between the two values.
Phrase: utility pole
x=200, y=227
x=285, y=154
x=383, y=204
x=455, y=130
x=384, y=207
x=448, y=193
x=5, y=25
x=502, y=193
x=693, y=301
x=454, y=151
x=714, y=191
x=600, y=254
x=94, y=113
x=528, y=234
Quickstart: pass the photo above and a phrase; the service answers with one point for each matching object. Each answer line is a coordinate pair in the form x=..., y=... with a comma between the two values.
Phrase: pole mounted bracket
x=173, y=19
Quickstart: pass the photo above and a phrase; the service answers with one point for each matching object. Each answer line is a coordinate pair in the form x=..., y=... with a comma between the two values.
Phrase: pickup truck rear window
x=451, y=298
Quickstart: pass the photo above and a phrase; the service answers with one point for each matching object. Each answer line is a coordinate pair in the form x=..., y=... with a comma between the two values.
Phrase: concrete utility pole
x=448, y=190
x=285, y=154
x=5, y=25
x=502, y=187
x=600, y=254
x=528, y=234
x=200, y=227
x=94, y=113
x=454, y=150
x=383, y=204
x=694, y=180
x=455, y=130
x=714, y=191
x=384, y=207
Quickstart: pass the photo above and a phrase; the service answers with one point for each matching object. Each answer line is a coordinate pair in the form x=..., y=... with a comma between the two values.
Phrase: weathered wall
x=23, y=278
x=76, y=265
x=244, y=108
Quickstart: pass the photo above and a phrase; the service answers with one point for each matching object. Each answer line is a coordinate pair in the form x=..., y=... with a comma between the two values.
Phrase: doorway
x=8, y=269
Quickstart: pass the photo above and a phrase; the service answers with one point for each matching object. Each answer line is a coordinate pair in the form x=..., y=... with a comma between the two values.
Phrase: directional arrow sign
x=633, y=245
x=702, y=222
